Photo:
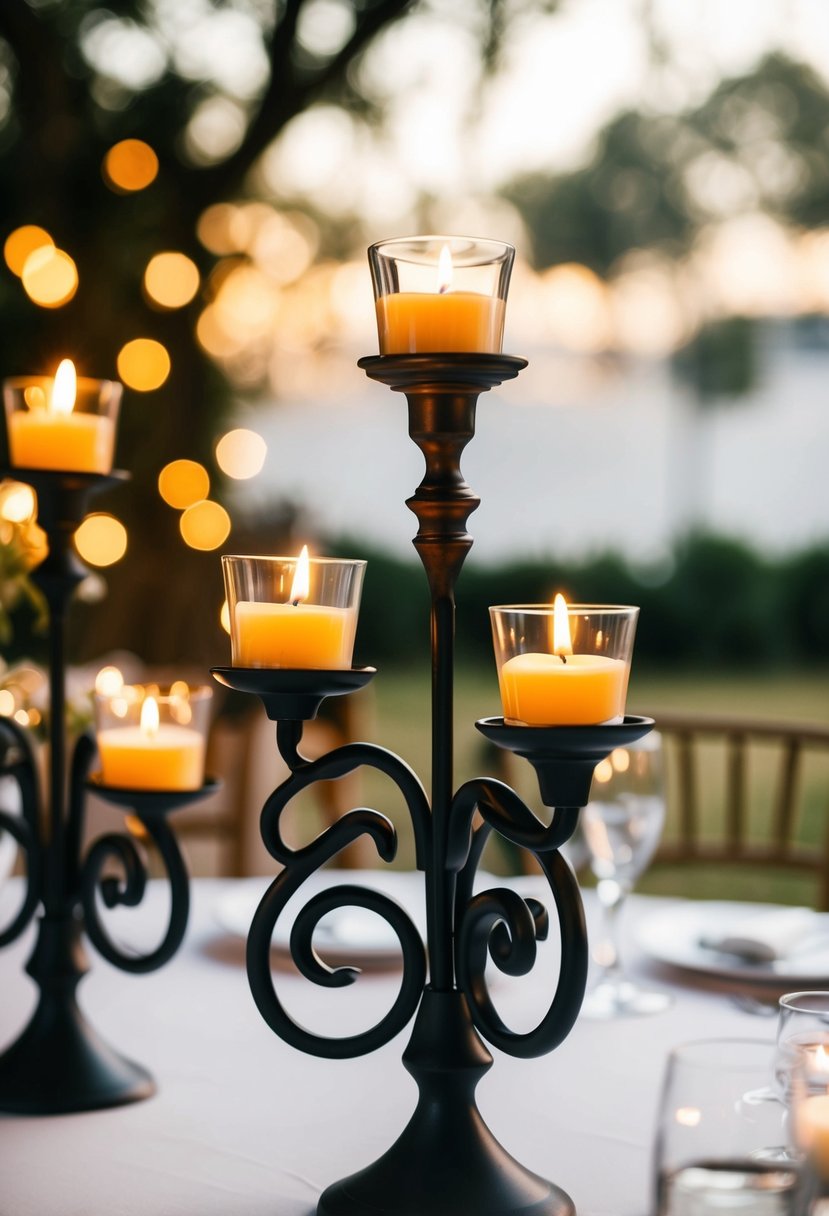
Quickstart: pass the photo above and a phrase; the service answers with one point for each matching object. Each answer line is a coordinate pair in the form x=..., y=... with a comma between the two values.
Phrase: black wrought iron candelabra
x=60, y=1063
x=446, y=1161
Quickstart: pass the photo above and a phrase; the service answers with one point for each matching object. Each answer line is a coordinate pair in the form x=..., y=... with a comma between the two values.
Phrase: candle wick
x=563, y=658
x=295, y=603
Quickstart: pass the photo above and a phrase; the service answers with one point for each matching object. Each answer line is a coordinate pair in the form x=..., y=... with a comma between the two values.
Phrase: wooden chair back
x=747, y=791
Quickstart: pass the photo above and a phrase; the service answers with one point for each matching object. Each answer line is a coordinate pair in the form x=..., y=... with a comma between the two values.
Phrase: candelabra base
x=59, y=1064
x=488, y=1182
x=446, y=1162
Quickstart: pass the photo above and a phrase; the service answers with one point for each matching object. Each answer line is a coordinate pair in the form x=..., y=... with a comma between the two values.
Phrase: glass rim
x=195, y=692
x=85, y=383
x=320, y=561
x=549, y=609
x=806, y=1001
x=392, y=246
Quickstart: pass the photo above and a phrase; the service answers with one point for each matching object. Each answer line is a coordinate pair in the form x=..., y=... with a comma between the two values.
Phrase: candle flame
x=562, y=644
x=302, y=578
x=822, y=1059
x=149, y=717
x=65, y=388
x=444, y=270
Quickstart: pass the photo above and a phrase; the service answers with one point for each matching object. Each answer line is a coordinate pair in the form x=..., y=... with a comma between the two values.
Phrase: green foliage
x=716, y=604
x=805, y=602
x=720, y=360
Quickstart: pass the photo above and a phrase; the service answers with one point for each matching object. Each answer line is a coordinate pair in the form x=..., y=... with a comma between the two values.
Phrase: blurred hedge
x=715, y=601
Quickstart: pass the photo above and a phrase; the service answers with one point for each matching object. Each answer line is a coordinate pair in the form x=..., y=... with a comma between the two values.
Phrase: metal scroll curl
x=18, y=763
x=129, y=889
x=302, y=862
x=502, y=926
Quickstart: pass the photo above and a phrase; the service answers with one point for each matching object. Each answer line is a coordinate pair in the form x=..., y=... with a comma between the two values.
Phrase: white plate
x=348, y=935
x=673, y=937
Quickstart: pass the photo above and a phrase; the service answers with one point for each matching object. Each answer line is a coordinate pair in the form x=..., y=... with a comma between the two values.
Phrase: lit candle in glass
x=293, y=612
x=61, y=422
x=440, y=293
x=563, y=665
x=152, y=740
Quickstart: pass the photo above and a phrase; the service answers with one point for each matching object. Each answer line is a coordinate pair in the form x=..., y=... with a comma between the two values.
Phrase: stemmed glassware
x=621, y=827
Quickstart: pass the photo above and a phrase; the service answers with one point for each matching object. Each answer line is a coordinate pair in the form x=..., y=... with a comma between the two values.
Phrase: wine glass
x=621, y=826
x=719, y=1132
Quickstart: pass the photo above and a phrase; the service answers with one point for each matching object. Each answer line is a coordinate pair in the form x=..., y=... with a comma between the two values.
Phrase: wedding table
x=244, y=1124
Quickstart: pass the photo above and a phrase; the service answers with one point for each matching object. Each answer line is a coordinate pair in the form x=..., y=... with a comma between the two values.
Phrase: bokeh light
x=109, y=681
x=20, y=243
x=183, y=482
x=101, y=539
x=205, y=525
x=241, y=453
x=49, y=277
x=143, y=364
x=17, y=502
x=171, y=280
x=218, y=228
x=130, y=165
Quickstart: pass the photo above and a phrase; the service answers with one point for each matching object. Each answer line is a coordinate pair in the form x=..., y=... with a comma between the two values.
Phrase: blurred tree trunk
x=163, y=599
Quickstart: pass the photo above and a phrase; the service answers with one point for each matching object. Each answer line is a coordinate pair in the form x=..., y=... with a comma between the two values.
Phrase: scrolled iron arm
x=338, y=763
x=500, y=924
x=314, y=969
x=25, y=828
x=129, y=890
x=302, y=862
x=508, y=815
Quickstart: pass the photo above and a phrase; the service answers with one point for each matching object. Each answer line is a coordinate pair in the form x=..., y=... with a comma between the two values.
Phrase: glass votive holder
x=296, y=612
x=61, y=422
x=152, y=738
x=440, y=293
x=807, y=1099
x=563, y=664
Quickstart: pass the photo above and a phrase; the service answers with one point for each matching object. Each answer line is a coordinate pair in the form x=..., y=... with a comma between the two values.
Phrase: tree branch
x=286, y=96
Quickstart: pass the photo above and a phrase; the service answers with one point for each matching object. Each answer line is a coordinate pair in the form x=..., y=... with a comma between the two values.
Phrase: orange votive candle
x=409, y=322
x=293, y=635
x=556, y=690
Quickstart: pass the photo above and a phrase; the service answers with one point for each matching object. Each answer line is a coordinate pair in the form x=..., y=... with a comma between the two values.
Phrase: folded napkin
x=763, y=937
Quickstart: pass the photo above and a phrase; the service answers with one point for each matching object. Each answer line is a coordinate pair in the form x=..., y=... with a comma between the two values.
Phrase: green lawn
x=395, y=712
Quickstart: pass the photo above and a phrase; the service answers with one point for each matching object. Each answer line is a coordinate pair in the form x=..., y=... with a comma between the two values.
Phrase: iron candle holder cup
x=61, y=422
x=292, y=612
x=151, y=738
x=440, y=293
x=563, y=665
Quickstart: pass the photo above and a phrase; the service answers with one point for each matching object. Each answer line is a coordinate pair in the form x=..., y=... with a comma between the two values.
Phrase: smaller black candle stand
x=446, y=1161
x=59, y=1064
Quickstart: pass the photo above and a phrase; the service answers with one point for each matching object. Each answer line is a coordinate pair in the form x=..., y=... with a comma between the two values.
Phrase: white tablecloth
x=244, y=1125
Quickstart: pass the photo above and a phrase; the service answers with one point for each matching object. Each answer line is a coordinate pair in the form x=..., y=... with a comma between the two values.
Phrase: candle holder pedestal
x=59, y=1064
x=446, y=1162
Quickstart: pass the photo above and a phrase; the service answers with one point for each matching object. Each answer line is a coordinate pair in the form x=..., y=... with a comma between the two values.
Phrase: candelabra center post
x=442, y=391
